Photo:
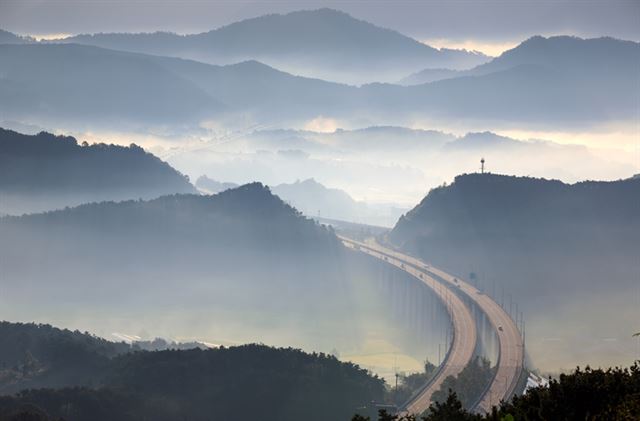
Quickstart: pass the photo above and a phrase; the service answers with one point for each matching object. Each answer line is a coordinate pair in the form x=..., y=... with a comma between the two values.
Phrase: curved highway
x=464, y=328
x=511, y=345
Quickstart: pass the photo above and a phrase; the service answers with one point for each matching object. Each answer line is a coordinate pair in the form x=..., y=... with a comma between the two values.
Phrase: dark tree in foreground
x=589, y=394
x=468, y=385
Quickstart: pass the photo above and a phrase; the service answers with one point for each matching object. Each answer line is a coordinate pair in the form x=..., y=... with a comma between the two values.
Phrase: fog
x=226, y=284
x=191, y=186
x=390, y=165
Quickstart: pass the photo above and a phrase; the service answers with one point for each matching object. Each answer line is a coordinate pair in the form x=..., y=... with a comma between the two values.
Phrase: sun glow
x=492, y=49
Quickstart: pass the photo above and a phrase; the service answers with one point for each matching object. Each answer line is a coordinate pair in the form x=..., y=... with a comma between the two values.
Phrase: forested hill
x=555, y=248
x=496, y=208
x=45, y=171
x=243, y=256
x=44, y=356
x=487, y=216
x=249, y=217
x=95, y=381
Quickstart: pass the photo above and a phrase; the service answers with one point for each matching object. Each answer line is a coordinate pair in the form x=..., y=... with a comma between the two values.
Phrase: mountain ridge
x=44, y=172
x=332, y=35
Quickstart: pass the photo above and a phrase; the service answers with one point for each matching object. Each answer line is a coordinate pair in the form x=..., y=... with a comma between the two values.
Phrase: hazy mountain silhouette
x=484, y=140
x=98, y=87
x=316, y=200
x=602, y=69
x=94, y=86
x=236, y=215
x=100, y=380
x=428, y=76
x=321, y=43
x=569, y=54
x=555, y=247
x=238, y=266
x=7, y=37
x=45, y=172
x=226, y=254
x=206, y=184
x=557, y=81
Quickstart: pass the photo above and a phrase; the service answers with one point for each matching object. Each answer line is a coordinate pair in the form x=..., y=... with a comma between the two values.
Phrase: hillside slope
x=45, y=172
x=177, y=263
x=553, y=247
x=100, y=380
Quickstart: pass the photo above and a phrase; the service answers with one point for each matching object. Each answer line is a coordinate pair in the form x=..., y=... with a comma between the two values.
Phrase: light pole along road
x=464, y=328
x=511, y=345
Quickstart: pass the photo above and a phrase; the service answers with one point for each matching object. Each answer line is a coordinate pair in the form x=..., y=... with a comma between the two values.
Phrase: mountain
x=323, y=43
x=604, y=68
x=475, y=205
x=44, y=172
x=428, y=76
x=543, y=82
x=11, y=38
x=554, y=247
x=100, y=380
x=147, y=92
x=95, y=87
x=242, y=256
x=210, y=186
x=187, y=220
x=316, y=200
x=569, y=54
x=484, y=141
x=43, y=356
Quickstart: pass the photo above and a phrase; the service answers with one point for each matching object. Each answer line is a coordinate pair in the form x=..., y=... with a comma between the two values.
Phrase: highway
x=464, y=328
x=511, y=346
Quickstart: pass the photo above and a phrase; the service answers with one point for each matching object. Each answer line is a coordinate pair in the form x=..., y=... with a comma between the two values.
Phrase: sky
x=488, y=26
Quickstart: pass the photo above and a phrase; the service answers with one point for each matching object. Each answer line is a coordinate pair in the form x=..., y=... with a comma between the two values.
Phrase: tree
x=449, y=410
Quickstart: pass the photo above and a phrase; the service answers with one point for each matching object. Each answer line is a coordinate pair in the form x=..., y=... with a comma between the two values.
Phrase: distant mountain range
x=209, y=186
x=528, y=85
x=45, y=172
x=324, y=43
x=315, y=200
x=98, y=87
x=428, y=76
x=7, y=37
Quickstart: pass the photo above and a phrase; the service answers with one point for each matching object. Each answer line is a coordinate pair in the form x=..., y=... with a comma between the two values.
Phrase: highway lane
x=511, y=345
x=464, y=328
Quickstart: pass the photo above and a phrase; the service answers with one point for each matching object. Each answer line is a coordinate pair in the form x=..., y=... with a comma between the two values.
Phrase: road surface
x=511, y=345
x=464, y=328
